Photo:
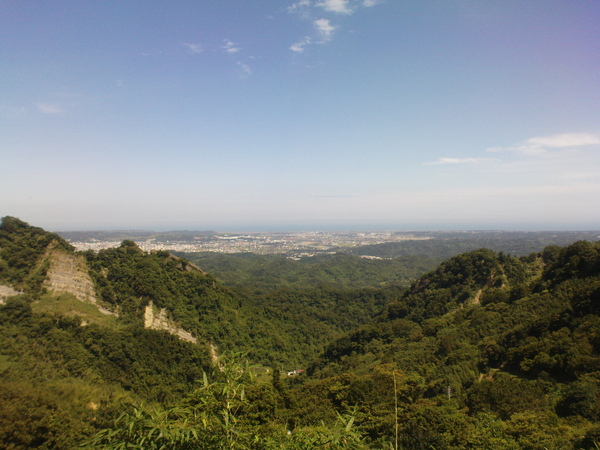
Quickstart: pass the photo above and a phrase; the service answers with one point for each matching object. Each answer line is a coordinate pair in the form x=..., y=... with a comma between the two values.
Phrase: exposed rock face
x=68, y=274
x=7, y=291
x=160, y=321
x=188, y=266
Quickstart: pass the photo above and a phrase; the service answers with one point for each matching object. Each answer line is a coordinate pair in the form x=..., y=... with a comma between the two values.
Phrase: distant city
x=295, y=244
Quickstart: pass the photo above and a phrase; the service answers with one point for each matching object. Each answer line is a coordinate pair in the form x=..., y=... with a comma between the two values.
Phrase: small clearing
x=7, y=291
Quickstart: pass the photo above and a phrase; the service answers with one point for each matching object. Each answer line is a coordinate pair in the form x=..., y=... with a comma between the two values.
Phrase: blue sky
x=307, y=114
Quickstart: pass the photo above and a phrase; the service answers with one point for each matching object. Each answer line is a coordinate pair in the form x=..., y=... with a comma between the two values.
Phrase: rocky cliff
x=160, y=321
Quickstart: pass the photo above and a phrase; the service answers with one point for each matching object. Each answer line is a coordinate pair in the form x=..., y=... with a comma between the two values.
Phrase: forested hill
x=82, y=332
x=160, y=290
x=487, y=351
x=71, y=355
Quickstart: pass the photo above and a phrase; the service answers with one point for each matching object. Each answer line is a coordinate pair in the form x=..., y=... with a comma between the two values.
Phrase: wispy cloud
x=312, y=10
x=299, y=46
x=50, y=108
x=542, y=144
x=325, y=31
x=442, y=161
x=337, y=6
x=299, y=7
x=566, y=140
x=231, y=47
x=245, y=68
x=539, y=160
x=193, y=48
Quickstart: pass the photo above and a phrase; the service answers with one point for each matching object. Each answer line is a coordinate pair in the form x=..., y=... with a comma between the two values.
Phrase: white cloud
x=194, y=48
x=230, y=47
x=303, y=7
x=324, y=27
x=566, y=140
x=308, y=10
x=299, y=46
x=542, y=144
x=548, y=155
x=50, y=108
x=442, y=161
x=337, y=6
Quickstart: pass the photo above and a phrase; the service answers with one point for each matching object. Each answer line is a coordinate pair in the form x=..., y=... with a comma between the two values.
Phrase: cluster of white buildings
x=304, y=243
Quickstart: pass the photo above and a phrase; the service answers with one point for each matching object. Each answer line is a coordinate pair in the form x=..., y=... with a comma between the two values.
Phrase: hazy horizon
x=274, y=228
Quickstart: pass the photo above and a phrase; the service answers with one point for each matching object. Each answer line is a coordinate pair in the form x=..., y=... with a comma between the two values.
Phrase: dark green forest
x=482, y=350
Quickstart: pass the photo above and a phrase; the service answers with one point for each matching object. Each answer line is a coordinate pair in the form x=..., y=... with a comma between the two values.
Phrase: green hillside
x=486, y=351
x=22, y=248
x=66, y=369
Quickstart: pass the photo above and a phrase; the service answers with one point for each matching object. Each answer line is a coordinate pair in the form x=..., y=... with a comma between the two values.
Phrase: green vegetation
x=272, y=326
x=485, y=351
x=68, y=305
x=22, y=250
x=62, y=380
x=486, y=340
x=226, y=411
x=248, y=271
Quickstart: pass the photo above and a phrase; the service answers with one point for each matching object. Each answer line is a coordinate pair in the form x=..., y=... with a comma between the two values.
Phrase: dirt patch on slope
x=160, y=321
x=68, y=274
x=7, y=291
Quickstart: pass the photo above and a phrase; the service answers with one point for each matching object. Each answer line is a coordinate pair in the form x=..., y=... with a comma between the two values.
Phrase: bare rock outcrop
x=185, y=265
x=160, y=321
x=7, y=291
x=68, y=274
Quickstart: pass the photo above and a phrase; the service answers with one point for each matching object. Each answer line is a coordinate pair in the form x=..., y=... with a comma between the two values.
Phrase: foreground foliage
x=220, y=415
